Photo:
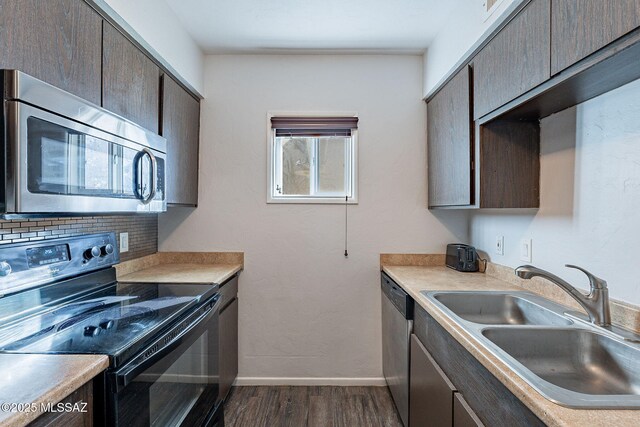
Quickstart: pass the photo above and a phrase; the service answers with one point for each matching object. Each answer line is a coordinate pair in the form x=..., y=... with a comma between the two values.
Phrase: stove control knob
x=106, y=249
x=92, y=252
x=91, y=331
x=5, y=268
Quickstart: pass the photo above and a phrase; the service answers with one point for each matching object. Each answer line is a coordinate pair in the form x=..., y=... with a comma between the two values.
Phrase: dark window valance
x=314, y=126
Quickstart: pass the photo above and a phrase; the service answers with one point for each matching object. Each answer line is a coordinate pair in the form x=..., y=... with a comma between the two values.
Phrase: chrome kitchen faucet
x=596, y=303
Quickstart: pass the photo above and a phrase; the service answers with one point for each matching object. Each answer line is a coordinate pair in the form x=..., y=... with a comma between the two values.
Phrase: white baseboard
x=303, y=381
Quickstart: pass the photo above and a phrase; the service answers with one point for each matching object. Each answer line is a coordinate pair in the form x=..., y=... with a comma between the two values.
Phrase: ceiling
x=289, y=26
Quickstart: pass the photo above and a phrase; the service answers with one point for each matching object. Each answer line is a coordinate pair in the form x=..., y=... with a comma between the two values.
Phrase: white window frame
x=275, y=172
x=490, y=11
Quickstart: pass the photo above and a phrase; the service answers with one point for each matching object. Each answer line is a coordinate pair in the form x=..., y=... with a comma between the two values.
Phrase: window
x=312, y=160
x=489, y=7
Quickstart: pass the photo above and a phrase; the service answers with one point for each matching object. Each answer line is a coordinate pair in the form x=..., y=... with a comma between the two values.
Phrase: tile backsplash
x=142, y=229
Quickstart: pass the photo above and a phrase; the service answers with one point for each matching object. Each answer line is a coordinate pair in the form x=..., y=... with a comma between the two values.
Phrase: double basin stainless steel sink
x=569, y=361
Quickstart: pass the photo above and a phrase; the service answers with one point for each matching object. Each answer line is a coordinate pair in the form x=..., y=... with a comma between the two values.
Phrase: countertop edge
x=61, y=390
x=236, y=270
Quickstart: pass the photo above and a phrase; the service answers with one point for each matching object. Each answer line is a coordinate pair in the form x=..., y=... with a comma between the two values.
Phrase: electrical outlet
x=525, y=250
x=124, y=242
x=499, y=245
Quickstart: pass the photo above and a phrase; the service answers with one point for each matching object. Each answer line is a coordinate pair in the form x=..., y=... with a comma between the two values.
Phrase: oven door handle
x=128, y=372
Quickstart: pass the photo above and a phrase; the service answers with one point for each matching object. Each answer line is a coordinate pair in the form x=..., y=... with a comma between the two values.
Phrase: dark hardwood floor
x=321, y=406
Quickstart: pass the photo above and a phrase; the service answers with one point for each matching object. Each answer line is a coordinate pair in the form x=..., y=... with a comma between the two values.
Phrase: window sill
x=312, y=201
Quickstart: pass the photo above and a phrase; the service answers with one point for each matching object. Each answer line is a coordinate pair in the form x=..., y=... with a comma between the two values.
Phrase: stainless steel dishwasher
x=397, y=326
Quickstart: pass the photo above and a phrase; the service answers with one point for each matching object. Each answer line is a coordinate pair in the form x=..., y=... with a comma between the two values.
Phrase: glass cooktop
x=116, y=318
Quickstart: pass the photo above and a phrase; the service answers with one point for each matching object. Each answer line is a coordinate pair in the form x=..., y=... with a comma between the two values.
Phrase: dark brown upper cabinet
x=450, y=143
x=515, y=60
x=579, y=28
x=550, y=55
x=58, y=41
x=181, y=128
x=130, y=80
x=489, y=165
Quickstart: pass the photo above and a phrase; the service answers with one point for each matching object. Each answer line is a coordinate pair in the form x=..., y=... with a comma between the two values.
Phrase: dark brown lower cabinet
x=487, y=400
x=430, y=391
x=228, y=339
x=433, y=399
x=463, y=415
x=73, y=418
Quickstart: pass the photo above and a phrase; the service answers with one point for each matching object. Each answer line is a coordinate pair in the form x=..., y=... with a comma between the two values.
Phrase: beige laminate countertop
x=182, y=267
x=184, y=273
x=415, y=279
x=42, y=379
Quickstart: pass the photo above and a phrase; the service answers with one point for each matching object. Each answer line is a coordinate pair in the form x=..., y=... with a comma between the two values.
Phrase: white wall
x=590, y=196
x=160, y=27
x=463, y=28
x=306, y=311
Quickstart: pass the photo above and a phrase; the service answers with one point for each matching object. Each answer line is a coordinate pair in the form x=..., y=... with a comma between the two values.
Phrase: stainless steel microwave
x=64, y=155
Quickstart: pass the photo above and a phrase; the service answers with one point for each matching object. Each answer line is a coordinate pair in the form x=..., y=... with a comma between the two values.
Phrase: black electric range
x=61, y=296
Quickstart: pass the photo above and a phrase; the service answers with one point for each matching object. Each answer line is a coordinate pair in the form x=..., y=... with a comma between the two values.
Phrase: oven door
x=62, y=166
x=177, y=385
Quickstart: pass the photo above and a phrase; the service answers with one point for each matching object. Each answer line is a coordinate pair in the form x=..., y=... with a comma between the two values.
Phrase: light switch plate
x=499, y=248
x=124, y=242
x=525, y=250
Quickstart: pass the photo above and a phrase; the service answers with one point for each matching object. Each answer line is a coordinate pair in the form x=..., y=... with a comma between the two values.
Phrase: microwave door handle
x=137, y=175
x=154, y=176
x=125, y=377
